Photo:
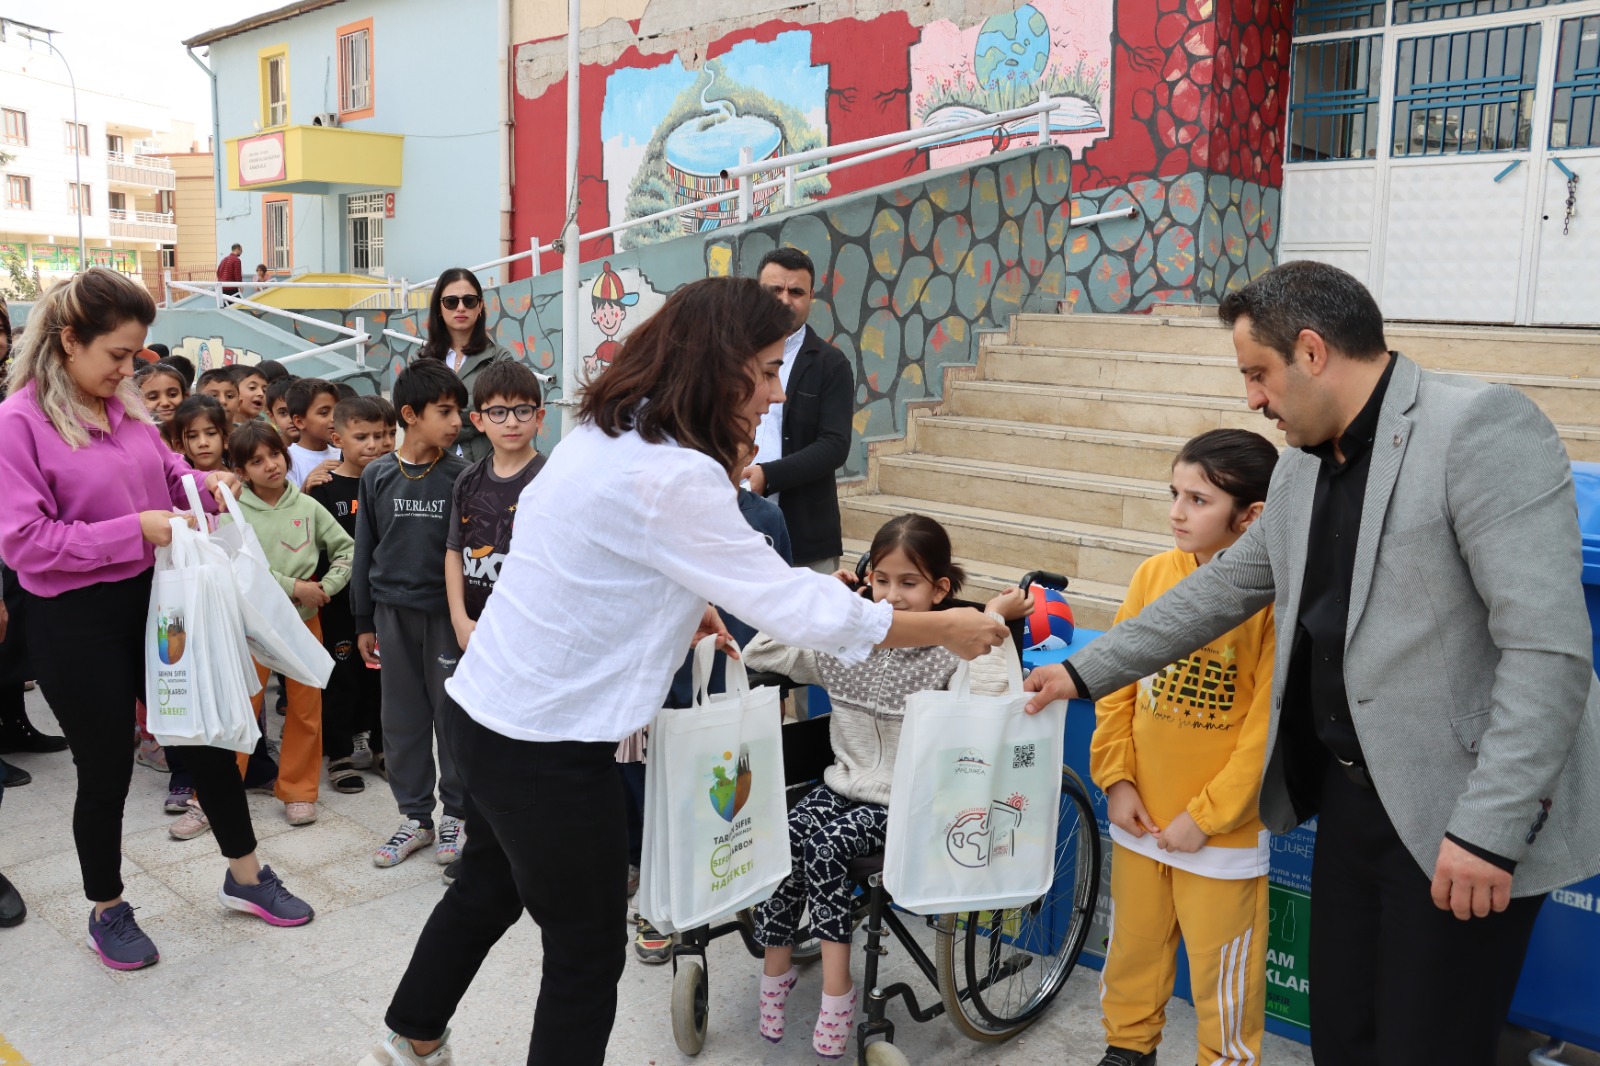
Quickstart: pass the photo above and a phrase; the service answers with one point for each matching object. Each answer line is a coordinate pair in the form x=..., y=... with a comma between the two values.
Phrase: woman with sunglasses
x=459, y=337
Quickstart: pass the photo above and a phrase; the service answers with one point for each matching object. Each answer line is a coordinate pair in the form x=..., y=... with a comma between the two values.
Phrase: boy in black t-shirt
x=352, y=726
x=508, y=411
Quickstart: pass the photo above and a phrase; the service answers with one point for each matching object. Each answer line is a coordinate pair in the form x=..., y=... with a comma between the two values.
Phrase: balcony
x=142, y=171
x=143, y=225
x=313, y=159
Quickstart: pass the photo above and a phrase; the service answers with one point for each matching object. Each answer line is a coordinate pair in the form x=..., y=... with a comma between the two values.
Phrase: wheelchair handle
x=1047, y=578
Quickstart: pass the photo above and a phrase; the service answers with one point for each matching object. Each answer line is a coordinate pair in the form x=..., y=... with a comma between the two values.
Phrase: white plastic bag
x=975, y=800
x=716, y=826
x=198, y=673
x=278, y=638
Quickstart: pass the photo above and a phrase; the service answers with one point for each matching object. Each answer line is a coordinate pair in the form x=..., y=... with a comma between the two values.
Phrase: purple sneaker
x=269, y=900
x=119, y=941
x=178, y=797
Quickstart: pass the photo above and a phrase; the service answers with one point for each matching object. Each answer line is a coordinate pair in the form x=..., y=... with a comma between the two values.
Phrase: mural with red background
x=1148, y=90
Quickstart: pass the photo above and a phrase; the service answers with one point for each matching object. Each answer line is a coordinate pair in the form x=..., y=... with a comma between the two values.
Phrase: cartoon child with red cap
x=610, y=309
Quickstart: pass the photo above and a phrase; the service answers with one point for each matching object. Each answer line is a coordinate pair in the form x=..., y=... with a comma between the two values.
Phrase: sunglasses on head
x=469, y=301
x=498, y=413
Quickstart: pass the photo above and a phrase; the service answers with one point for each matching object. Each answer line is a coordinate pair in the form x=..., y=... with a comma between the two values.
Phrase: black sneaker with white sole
x=1121, y=1056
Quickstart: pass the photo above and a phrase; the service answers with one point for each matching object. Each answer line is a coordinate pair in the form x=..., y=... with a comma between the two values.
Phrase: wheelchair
x=993, y=972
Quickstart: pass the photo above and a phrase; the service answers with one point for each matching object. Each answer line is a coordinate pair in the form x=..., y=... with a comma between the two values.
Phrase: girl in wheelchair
x=846, y=816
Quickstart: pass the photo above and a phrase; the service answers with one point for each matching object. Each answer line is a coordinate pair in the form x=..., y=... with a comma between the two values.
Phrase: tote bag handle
x=961, y=682
x=705, y=654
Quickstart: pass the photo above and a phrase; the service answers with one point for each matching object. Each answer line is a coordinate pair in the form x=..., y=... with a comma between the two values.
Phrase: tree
x=22, y=285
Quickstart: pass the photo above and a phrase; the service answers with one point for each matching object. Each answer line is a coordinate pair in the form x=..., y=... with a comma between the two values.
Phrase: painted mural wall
x=1148, y=91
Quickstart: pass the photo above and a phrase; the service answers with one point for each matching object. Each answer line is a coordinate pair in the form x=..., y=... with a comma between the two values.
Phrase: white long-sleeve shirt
x=619, y=545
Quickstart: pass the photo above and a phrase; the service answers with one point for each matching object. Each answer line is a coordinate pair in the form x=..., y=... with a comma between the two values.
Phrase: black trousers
x=88, y=650
x=1395, y=981
x=547, y=835
x=353, y=701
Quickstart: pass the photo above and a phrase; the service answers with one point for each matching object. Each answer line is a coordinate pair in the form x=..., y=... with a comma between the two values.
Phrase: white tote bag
x=976, y=799
x=173, y=684
x=198, y=674
x=278, y=638
x=717, y=828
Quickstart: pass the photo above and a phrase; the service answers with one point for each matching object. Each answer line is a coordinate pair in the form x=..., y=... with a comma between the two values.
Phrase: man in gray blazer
x=1434, y=699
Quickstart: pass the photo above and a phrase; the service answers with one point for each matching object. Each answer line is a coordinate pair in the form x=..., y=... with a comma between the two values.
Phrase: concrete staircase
x=1054, y=452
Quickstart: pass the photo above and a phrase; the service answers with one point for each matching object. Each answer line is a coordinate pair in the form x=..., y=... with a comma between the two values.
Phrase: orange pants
x=1224, y=930
x=300, y=758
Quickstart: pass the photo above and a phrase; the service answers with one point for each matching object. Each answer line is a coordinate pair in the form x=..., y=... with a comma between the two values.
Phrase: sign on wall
x=261, y=159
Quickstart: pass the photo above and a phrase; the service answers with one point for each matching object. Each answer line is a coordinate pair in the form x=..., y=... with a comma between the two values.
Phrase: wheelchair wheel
x=881, y=1054
x=689, y=1006
x=999, y=969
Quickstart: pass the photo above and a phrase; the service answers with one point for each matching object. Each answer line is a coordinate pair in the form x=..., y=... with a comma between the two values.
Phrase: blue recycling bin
x=1557, y=993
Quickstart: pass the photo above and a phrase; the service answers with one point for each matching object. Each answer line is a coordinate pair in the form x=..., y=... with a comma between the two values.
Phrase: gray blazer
x=1468, y=651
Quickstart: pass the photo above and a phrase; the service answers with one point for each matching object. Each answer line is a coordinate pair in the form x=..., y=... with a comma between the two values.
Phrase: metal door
x=1567, y=253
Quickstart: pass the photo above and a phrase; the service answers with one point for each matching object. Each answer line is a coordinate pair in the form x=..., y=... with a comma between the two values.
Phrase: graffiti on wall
x=619, y=300
x=208, y=353
x=669, y=132
x=1053, y=47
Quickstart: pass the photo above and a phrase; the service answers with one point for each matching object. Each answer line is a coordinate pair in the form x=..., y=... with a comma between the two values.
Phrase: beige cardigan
x=869, y=702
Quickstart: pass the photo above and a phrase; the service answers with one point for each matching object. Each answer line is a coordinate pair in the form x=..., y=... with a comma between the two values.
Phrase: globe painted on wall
x=1014, y=45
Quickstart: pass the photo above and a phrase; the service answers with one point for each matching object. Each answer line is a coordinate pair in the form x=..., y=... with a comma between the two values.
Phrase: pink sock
x=774, y=995
x=831, y=1038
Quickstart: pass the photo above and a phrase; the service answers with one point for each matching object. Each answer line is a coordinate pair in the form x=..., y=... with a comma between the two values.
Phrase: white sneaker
x=408, y=838
x=361, y=757
x=452, y=838
x=395, y=1050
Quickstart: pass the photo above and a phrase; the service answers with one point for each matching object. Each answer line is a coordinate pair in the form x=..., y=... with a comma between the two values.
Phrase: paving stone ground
x=231, y=990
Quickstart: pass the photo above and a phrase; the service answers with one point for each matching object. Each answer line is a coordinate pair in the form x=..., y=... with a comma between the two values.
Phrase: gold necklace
x=402, y=464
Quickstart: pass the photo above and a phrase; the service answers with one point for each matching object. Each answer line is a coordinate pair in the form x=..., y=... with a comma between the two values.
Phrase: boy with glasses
x=508, y=412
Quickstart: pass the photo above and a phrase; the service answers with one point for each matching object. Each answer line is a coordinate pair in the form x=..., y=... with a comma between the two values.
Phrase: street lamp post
x=30, y=32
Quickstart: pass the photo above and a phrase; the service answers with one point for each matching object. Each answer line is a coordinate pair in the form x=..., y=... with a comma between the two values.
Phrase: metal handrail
x=357, y=337
x=134, y=159
x=874, y=147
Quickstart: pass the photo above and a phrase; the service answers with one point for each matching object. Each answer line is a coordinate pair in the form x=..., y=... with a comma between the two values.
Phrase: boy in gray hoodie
x=397, y=594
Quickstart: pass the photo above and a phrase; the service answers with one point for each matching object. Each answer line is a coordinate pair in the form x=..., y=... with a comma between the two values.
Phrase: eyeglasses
x=497, y=414
x=468, y=301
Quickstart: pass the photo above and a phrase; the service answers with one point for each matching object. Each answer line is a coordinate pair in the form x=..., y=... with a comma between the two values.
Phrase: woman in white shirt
x=626, y=535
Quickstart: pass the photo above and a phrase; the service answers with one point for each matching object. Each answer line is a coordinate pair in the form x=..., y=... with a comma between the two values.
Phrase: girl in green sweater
x=295, y=531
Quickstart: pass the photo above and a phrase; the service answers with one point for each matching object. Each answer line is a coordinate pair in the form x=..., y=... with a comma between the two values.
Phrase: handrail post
x=361, y=343
x=747, y=199
x=533, y=243
x=216, y=292
x=166, y=288
x=788, y=185
x=1044, y=120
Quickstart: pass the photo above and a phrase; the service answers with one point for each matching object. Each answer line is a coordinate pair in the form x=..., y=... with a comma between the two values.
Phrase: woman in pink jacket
x=87, y=491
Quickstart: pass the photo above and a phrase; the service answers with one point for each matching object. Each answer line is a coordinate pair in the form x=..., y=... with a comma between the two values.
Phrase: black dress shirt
x=1316, y=664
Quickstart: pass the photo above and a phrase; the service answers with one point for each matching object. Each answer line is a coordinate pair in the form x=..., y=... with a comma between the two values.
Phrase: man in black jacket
x=803, y=441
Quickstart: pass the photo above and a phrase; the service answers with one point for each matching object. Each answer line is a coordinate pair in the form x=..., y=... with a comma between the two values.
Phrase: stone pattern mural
x=907, y=276
x=1199, y=86
x=1197, y=237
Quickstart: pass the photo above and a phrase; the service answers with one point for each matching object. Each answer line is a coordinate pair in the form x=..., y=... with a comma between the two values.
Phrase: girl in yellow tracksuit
x=1179, y=756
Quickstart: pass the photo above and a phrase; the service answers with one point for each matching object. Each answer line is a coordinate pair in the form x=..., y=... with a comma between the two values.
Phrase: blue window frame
x=1333, y=102
x=1465, y=93
x=1575, y=108
x=1430, y=10
x=1331, y=16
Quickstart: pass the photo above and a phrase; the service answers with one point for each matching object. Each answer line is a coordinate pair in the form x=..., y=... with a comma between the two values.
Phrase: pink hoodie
x=70, y=518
